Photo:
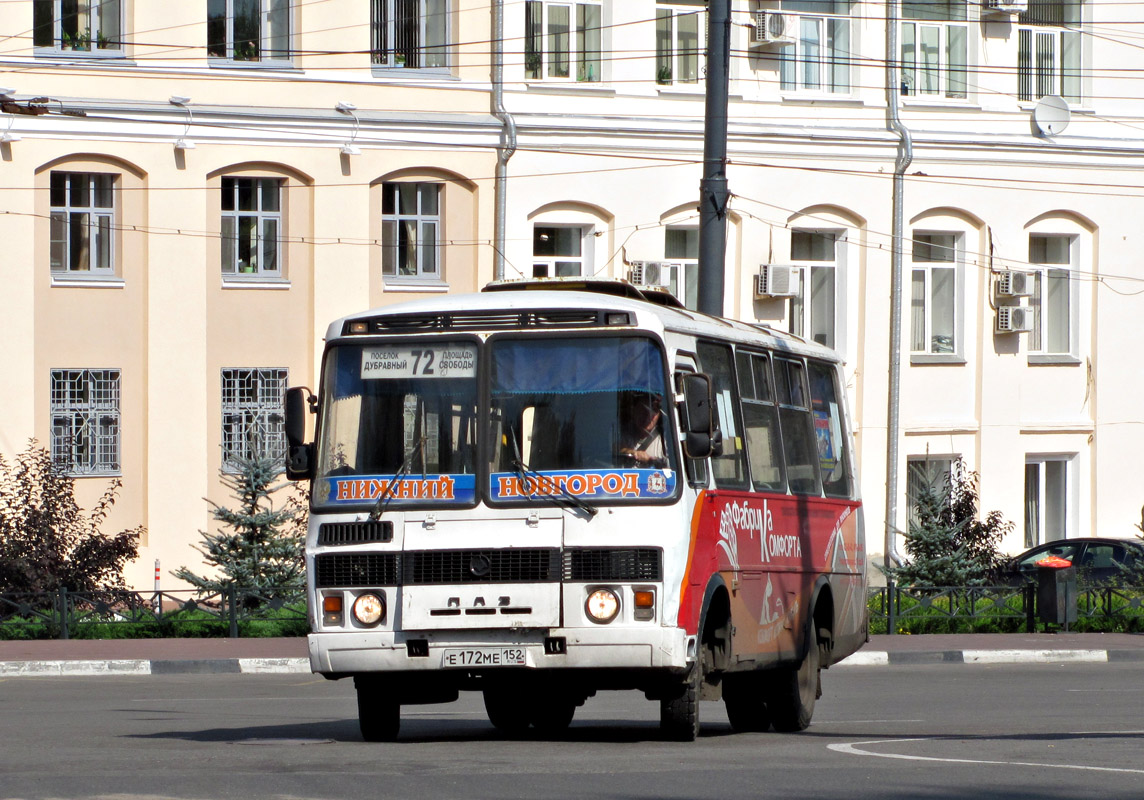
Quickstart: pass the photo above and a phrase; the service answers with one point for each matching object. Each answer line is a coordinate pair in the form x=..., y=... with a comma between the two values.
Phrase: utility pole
x=713, y=188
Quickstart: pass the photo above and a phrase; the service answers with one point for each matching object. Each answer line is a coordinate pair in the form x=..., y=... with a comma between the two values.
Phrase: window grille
x=253, y=415
x=85, y=420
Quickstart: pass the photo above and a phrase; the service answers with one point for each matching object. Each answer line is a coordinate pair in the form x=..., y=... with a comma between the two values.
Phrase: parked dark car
x=1096, y=560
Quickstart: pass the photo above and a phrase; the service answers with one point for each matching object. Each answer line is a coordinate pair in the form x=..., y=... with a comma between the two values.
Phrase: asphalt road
x=931, y=733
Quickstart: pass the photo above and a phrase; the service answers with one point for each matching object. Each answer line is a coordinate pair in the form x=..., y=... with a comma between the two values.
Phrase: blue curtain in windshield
x=576, y=366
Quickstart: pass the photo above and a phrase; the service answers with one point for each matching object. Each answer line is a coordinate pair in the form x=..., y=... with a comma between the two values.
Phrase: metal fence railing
x=231, y=612
x=1000, y=609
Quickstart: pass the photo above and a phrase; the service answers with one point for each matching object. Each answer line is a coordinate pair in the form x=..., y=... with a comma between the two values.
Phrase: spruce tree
x=258, y=546
x=946, y=542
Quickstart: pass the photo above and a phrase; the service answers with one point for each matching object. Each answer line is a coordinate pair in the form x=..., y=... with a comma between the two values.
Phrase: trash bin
x=1056, y=591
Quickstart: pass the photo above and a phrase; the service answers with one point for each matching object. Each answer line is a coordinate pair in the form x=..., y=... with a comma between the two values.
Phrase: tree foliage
x=47, y=542
x=947, y=543
x=257, y=546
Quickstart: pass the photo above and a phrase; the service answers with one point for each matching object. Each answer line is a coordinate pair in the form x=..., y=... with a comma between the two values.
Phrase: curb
x=286, y=666
x=872, y=658
x=135, y=667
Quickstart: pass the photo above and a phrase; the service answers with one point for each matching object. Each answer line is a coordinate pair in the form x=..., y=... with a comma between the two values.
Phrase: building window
x=1052, y=300
x=681, y=249
x=251, y=226
x=410, y=34
x=249, y=31
x=1048, y=50
x=85, y=420
x=678, y=41
x=410, y=230
x=252, y=416
x=935, y=38
x=1046, y=500
x=819, y=60
x=812, y=310
x=933, y=293
x=562, y=41
x=78, y=26
x=926, y=472
x=560, y=251
x=82, y=222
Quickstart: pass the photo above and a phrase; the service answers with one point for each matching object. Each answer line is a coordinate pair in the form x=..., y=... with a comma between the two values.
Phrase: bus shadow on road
x=425, y=731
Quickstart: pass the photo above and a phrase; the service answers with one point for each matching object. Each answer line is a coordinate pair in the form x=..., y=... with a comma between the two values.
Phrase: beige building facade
x=192, y=191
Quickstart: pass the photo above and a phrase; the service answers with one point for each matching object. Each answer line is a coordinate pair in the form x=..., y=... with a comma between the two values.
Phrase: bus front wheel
x=379, y=715
x=679, y=712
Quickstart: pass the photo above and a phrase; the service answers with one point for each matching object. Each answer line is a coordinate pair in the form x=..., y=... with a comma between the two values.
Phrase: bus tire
x=506, y=711
x=379, y=716
x=551, y=715
x=791, y=695
x=746, y=703
x=679, y=713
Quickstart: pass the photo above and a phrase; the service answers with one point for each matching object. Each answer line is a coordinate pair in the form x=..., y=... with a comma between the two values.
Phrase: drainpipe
x=904, y=156
x=507, y=145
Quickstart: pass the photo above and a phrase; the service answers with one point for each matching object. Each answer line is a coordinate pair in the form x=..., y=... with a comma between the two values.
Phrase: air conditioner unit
x=1014, y=319
x=776, y=280
x=1004, y=7
x=771, y=27
x=653, y=274
x=1013, y=283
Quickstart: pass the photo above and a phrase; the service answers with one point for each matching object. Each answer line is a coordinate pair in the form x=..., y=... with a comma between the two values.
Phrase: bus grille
x=516, y=565
x=357, y=569
x=484, y=321
x=613, y=564
x=334, y=533
x=512, y=565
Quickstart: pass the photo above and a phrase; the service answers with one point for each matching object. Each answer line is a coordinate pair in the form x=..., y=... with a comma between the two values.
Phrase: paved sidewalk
x=253, y=656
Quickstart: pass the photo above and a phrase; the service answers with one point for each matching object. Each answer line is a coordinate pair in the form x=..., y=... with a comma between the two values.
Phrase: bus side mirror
x=298, y=466
x=701, y=437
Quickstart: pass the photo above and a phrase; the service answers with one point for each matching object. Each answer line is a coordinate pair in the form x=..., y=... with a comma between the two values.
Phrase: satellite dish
x=1051, y=115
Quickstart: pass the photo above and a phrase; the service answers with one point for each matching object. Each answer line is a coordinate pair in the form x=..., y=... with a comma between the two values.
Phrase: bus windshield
x=580, y=415
x=398, y=424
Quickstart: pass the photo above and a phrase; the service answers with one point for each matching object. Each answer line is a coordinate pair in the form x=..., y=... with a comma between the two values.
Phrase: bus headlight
x=602, y=605
x=369, y=609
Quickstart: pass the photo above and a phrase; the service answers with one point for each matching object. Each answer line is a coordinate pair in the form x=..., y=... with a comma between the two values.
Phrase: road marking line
x=852, y=749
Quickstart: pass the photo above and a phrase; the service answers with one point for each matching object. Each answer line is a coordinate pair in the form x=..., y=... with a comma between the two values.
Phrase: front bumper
x=646, y=647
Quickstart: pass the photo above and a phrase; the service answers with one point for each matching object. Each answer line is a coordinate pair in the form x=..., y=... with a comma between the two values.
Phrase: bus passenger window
x=833, y=446
x=729, y=468
x=760, y=422
x=799, y=446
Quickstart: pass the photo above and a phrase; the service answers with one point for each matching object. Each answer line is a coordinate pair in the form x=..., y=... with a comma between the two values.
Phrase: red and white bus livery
x=554, y=488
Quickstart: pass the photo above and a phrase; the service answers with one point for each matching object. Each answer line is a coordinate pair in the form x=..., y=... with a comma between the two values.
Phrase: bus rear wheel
x=379, y=715
x=746, y=702
x=792, y=693
x=506, y=710
x=551, y=715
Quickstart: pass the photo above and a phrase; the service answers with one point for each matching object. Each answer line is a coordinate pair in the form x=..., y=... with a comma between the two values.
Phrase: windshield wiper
x=383, y=501
x=565, y=499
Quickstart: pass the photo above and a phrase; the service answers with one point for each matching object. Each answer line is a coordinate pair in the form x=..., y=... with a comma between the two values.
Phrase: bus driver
x=641, y=438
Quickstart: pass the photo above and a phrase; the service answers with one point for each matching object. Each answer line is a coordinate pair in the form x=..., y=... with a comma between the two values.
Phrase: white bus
x=553, y=488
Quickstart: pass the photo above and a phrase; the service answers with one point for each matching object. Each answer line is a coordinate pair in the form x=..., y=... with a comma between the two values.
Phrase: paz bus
x=557, y=487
